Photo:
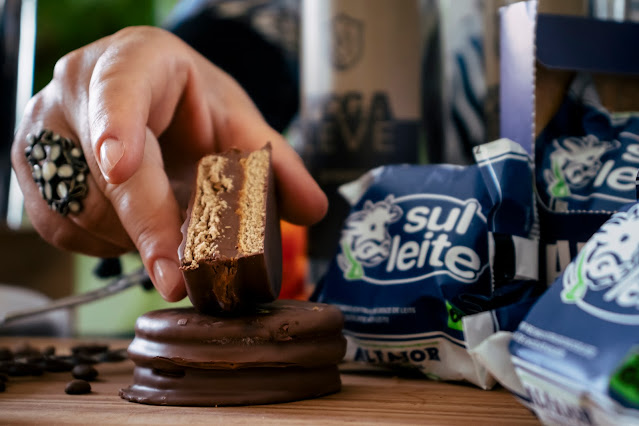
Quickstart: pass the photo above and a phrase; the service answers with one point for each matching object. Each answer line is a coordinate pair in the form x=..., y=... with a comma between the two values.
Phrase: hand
x=144, y=107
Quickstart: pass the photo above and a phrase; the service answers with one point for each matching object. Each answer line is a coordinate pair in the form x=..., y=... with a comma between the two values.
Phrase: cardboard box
x=541, y=52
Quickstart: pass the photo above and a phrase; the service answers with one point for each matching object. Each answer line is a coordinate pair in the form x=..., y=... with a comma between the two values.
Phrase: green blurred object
x=65, y=25
x=114, y=316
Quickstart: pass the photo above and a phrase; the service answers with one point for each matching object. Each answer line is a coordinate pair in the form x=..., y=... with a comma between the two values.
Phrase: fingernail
x=167, y=277
x=111, y=151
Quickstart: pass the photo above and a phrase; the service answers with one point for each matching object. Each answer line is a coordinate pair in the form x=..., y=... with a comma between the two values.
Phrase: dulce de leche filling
x=228, y=212
x=205, y=225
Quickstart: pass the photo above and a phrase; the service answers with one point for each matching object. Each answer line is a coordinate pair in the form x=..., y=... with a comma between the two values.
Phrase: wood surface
x=366, y=398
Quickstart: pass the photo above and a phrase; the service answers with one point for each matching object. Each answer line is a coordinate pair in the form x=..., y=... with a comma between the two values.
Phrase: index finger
x=137, y=83
x=149, y=212
x=197, y=106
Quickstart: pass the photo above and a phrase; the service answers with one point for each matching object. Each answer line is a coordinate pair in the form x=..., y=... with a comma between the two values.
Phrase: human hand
x=144, y=107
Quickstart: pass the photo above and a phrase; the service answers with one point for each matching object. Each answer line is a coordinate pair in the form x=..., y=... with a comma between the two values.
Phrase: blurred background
x=31, y=271
x=461, y=60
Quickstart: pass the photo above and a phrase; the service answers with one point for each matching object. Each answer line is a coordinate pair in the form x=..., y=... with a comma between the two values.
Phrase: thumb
x=150, y=214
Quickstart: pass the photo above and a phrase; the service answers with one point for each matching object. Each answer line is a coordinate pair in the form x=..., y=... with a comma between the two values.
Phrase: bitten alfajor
x=231, y=250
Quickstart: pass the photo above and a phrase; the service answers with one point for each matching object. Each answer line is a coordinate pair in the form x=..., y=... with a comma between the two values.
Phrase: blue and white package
x=587, y=157
x=577, y=351
x=435, y=258
x=586, y=161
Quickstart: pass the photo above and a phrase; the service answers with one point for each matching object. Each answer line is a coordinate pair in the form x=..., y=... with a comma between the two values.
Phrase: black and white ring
x=59, y=169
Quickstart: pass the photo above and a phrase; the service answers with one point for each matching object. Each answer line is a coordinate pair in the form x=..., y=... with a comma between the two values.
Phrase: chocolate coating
x=286, y=350
x=197, y=387
x=230, y=279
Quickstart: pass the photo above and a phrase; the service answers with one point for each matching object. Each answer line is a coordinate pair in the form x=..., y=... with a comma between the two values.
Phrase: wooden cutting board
x=366, y=398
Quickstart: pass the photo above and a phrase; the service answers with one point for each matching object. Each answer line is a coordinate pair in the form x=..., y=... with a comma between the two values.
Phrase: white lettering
x=460, y=257
x=422, y=217
x=466, y=218
x=435, y=250
x=423, y=251
x=601, y=176
x=416, y=219
x=438, y=248
x=632, y=154
x=406, y=256
x=448, y=225
x=622, y=178
x=393, y=254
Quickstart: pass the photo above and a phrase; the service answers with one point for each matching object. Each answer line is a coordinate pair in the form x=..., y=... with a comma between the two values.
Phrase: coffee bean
x=34, y=359
x=26, y=360
x=57, y=365
x=6, y=354
x=25, y=350
x=108, y=267
x=89, y=349
x=19, y=369
x=84, y=372
x=36, y=370
x=48, y=351
x=77, y=387
x=81, y=358
x=117, y=355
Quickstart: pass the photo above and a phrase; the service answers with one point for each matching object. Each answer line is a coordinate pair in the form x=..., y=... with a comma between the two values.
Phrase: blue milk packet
x=586, y=162
x=577, y=351
x=587, y=157
x=424, y=249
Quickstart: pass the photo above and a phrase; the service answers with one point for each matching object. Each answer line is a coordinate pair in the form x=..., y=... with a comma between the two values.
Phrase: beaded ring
x=59, y=169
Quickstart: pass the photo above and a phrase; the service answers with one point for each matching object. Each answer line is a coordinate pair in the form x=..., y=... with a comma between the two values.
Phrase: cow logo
x=413, y=237
x=347, y=42
x=575, y=163
x=365, y=239
x=604, y=278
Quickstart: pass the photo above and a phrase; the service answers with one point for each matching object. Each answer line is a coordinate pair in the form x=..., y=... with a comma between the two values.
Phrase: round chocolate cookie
x=286, y=350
